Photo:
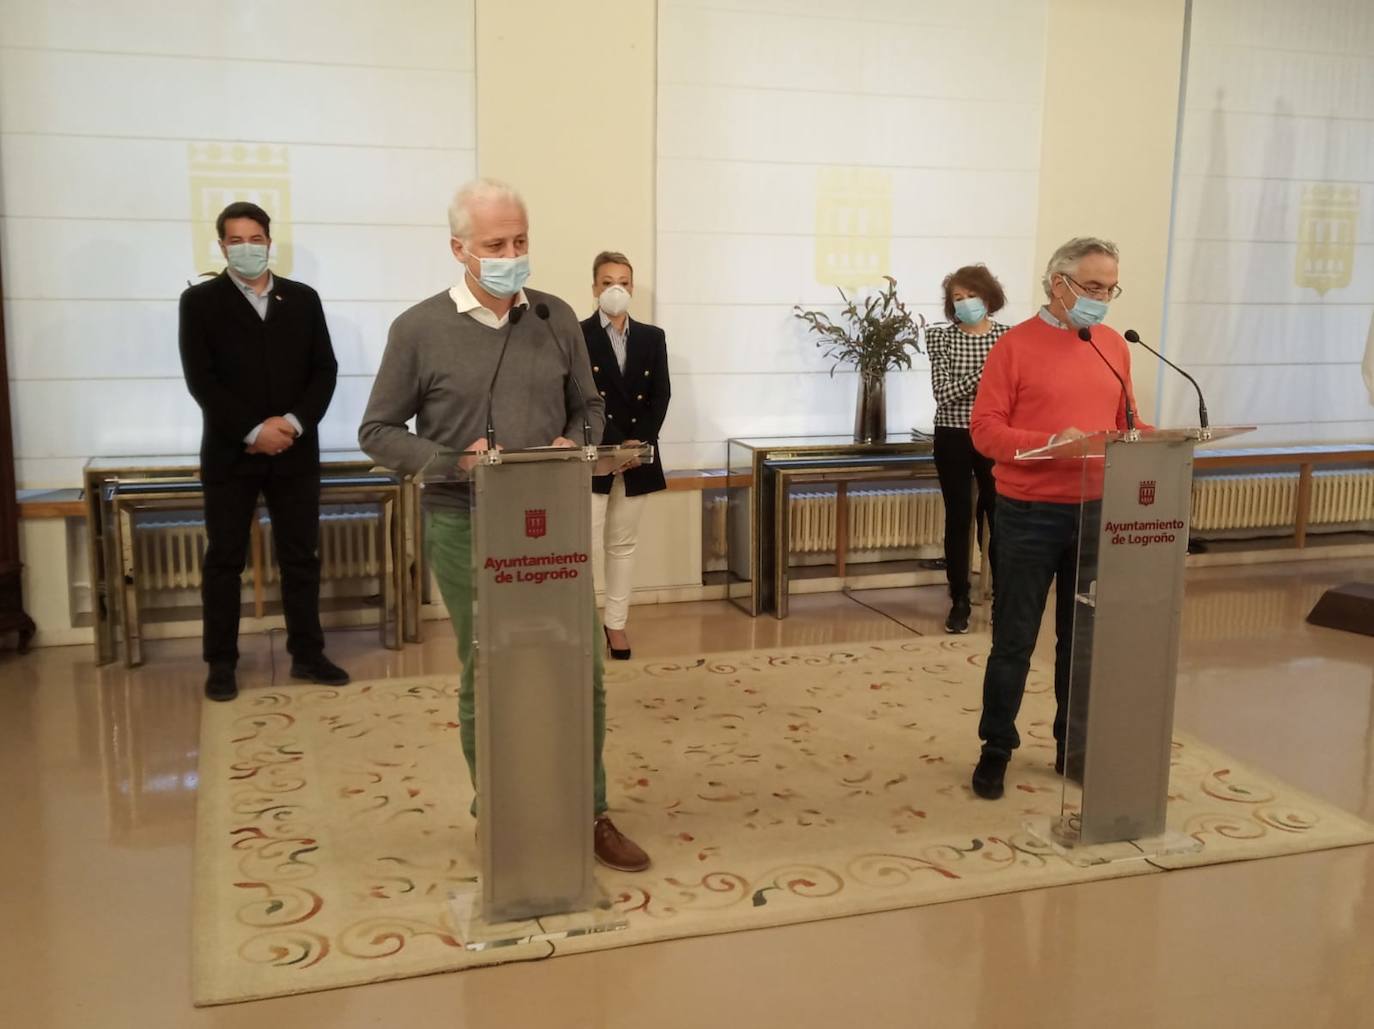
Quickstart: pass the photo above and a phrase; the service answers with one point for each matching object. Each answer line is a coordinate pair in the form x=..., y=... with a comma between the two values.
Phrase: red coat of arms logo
x=1147, y=492
x=536, y=523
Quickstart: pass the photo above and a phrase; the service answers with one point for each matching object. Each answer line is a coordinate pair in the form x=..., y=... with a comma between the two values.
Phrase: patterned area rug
x=770, y=787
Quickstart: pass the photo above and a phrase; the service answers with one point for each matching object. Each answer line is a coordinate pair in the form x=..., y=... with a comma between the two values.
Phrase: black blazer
x=637, y=401
x=242, y=369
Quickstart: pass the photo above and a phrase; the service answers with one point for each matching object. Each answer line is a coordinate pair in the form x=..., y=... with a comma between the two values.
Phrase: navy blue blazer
x=636, y=401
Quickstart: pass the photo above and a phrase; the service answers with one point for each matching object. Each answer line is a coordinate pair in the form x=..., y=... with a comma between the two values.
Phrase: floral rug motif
x=770, y=787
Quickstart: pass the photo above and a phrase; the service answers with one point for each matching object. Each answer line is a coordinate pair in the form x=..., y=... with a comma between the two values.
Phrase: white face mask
x=614, y=300
x=248, y=259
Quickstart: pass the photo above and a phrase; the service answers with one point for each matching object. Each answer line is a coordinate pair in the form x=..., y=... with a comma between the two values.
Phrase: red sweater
x=1040, y=380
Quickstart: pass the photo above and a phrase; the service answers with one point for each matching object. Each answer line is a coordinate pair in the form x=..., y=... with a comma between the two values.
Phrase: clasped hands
x=276, y=435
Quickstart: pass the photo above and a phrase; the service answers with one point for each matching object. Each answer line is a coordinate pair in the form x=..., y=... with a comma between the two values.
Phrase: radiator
x=170, y=554
x=1268, y=501
x=348, y=548
x=878, y=520
x=893, y=519
x=907, y=518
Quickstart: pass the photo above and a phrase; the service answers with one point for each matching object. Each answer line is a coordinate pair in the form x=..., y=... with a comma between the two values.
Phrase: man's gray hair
x=478, y=191
x=1065, y=260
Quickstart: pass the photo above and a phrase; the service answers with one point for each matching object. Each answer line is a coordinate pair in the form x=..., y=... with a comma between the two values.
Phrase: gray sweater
x=437, y=367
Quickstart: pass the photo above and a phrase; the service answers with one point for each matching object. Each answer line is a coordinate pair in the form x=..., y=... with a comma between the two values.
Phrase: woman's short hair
x=611, y=257
x=977, y=280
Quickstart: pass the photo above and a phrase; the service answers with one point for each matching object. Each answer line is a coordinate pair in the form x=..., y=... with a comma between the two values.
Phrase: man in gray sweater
x=440, y=359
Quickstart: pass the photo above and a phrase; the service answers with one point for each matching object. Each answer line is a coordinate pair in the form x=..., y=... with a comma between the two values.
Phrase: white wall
x=804, y=145
x=125, y=128
x=1276, y=155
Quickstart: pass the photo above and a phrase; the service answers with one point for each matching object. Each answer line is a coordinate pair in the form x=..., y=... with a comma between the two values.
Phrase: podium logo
x=536, y=522
x=222, y=173
x=853, y=226
x=1326, y=236
x=1147, y=492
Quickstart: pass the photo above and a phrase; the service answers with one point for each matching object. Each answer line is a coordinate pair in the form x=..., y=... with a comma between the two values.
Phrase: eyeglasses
x=1096, y=292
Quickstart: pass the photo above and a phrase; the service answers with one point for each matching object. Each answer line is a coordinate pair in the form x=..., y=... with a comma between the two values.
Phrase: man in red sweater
x=1042, y=383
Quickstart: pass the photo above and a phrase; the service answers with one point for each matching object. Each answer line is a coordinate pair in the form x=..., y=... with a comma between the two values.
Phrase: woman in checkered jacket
x=957, y=352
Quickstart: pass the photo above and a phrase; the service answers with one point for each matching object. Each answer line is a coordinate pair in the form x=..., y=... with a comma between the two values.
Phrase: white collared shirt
x=1049, y=319
x=467, y=304
x=258, y=300
x=618, y=339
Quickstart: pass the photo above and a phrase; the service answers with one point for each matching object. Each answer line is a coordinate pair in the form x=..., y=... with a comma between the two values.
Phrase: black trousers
x=958, y=464
x=293, y=501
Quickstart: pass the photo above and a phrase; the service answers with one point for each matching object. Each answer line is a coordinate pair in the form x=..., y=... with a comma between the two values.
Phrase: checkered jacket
x=956, y=365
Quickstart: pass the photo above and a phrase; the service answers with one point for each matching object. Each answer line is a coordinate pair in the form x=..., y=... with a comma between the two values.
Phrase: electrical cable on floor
x=280, y=631
x=552, y=947
x=879, y=611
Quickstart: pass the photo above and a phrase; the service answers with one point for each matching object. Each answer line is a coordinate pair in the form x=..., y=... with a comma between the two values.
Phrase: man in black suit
x=257, y=359
x=630, y=365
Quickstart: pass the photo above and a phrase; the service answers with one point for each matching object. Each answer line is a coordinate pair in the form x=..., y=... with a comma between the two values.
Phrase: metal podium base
x=1060, y=834
x=479, y=934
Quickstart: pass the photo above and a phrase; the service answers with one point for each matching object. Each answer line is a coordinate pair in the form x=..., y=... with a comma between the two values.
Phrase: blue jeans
x=1037, y=543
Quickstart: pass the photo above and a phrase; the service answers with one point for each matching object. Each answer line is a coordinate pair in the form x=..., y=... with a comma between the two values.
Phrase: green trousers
x=448, y=547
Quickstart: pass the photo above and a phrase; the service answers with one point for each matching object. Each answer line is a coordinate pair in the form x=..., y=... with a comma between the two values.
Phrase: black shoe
x=221, y=683
x=320, y=670
x=959, y=612
x=987, y=777
x=617, y=654
x=1074, y=772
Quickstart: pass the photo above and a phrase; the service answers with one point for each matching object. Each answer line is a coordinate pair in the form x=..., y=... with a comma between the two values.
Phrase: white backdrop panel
x=867, y=130
x=69, y=177
x=799, y=141
x=88, y=259
x=152, y=96
x=742, y=269
x=1271, y=274
x=124, y=128
x=119, y=339
x=411, y=34
x=915, y=51
x=143, y=416
x=712, y=196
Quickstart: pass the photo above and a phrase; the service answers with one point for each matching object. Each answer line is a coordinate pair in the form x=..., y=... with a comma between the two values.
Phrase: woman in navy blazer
x=630, y=365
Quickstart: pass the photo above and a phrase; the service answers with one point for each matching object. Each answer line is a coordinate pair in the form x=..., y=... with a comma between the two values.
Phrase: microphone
x=1087, y=337
x=1134, y=337
x=516, y=313
x=541, y=310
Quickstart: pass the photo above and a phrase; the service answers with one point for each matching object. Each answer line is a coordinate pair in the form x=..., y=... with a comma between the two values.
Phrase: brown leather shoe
x=616, y=850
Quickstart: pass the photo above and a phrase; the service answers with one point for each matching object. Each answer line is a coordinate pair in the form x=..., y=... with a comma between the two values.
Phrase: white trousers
x=615, y=533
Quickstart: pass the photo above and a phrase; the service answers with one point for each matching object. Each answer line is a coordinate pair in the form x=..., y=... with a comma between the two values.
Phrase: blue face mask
x=970, y=310
x=504, y=276
x=1086, y=312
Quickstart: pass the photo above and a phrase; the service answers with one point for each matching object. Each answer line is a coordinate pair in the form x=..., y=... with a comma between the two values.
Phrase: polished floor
x=99, y=777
